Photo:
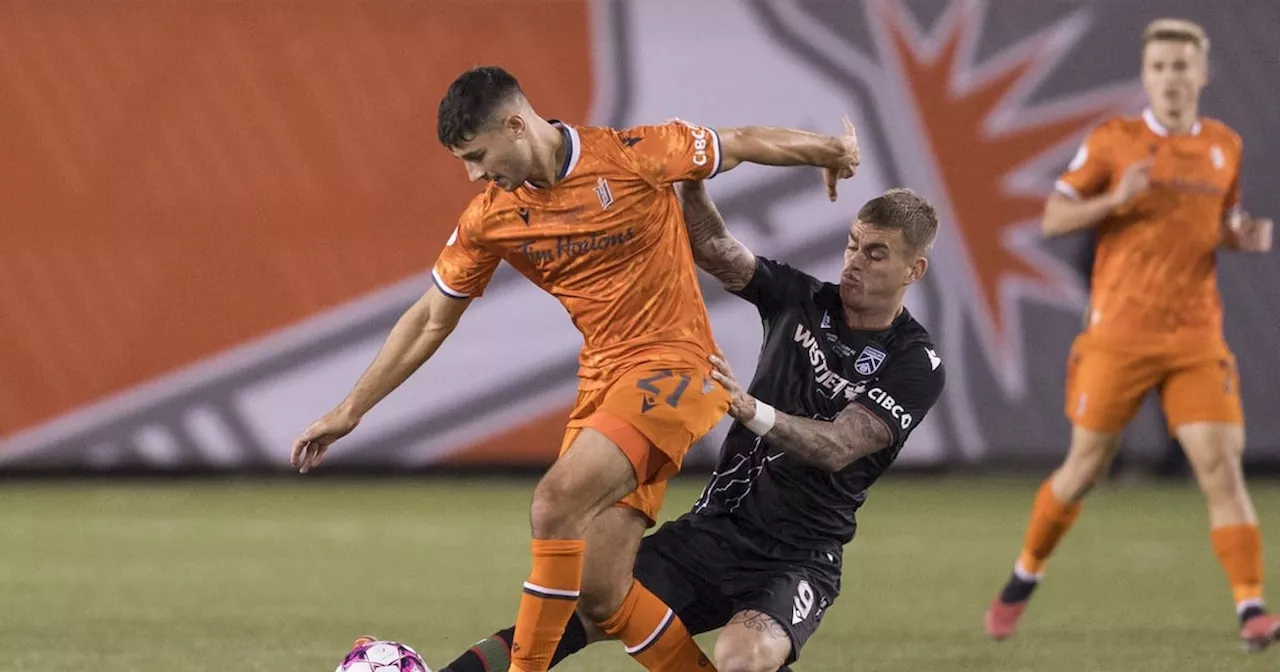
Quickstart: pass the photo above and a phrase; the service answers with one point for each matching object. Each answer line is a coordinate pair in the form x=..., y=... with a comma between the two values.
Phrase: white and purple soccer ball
x=383, y=656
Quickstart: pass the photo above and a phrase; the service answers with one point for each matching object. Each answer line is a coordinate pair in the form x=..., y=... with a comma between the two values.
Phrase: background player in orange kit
x=1164, y=191
x=590, y=216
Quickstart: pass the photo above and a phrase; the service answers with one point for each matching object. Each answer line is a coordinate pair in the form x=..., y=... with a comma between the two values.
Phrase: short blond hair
x=1176, y=30
x=906, y=211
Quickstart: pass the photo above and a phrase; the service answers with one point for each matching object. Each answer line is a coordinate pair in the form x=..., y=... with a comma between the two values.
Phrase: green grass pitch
x=274, y=575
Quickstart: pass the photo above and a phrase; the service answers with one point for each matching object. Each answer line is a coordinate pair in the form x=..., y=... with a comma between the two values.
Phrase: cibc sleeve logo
x=888, y=403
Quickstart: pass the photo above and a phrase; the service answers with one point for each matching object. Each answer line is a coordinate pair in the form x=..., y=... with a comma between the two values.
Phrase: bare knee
x=613, y=540
x=554, y=513
x=594, y=632
x=1090, y=454
x=1072, y=483
x=1217, y=471
x=587, y=480
x=746, y=659
x=752, y=642
x=602, y=597
x=1215, y=451
x=1216, y=457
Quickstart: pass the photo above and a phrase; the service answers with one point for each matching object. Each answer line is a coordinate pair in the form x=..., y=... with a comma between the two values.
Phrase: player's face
x=501, y=155
x=1173, y=73
x=879, y=264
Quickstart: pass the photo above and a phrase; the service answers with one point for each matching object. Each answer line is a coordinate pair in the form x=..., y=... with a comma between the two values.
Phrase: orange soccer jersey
x=608, y=241
x=1155, y=266
x=1155, y=316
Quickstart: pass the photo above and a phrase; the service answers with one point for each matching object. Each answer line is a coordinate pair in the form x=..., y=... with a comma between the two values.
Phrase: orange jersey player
x=590, y=216
x=1163, y=190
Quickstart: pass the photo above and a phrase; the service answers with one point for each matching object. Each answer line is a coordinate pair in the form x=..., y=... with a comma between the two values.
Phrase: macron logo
x=934, y=359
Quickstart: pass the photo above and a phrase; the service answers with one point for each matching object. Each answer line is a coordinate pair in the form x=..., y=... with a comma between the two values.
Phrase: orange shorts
x=1197, y=382
x=654, y=414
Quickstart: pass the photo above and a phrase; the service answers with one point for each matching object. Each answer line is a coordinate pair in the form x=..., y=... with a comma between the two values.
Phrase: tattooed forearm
x=759, y=622
x=715, y=250
x=831, y=446
x=727, y=260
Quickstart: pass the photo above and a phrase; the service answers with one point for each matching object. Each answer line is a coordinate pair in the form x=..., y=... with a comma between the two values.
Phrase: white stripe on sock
x=550, y=591
x=1242, y=605
x=653, y=635
x=1023, y=574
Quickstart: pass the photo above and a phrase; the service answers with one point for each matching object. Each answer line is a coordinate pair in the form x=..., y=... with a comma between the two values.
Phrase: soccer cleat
x=363, y=640
x=1002, y=618
x=1259, y=632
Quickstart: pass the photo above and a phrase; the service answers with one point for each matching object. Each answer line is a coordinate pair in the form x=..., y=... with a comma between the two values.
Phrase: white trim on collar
x=577, y=148
x=575, y=152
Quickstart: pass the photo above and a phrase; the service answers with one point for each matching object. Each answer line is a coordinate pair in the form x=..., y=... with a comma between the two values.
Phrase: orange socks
x=1239, y=549
x=654, y=635
x=1050, y=520
x=549, y=599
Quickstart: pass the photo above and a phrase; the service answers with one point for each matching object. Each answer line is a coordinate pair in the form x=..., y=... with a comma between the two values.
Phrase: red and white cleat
x=1259, y=632
x=1002, y=618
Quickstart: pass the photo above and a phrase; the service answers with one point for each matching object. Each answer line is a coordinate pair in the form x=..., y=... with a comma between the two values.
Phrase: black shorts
x=706, y=572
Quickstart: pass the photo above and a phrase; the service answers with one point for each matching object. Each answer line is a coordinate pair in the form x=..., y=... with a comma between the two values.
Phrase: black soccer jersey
x=813, y=365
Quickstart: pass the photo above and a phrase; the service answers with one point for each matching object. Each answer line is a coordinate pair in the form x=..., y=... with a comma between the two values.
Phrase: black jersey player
x=845, y=374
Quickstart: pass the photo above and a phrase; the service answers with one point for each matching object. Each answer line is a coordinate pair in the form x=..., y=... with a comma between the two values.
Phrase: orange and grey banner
x=212, y=213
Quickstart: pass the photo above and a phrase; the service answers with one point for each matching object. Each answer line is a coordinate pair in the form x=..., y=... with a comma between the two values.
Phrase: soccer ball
x=382, y=656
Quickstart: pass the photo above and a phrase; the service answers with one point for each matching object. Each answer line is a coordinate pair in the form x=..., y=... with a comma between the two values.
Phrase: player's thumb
x=831, y=186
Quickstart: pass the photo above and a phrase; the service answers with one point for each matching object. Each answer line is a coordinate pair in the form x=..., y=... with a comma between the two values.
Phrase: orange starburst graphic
x=981, y=139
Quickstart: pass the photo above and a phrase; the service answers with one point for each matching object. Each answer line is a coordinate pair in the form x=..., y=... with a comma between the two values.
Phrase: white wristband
x=763, y=420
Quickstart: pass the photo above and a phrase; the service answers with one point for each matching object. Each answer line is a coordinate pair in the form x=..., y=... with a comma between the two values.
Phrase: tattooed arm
x=715, y=250
x=830, y=446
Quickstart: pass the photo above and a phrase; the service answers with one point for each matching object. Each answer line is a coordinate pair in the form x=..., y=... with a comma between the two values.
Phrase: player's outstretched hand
x=847, y=165
x=309, y=449
x=1135, y=180
x=1251, y=234
x=742, y=406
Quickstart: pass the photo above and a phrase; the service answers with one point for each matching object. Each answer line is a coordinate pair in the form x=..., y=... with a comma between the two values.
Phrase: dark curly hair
x=469, y=105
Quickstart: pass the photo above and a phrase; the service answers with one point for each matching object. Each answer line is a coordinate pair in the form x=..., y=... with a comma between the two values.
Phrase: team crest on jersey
x=603, y=193
x=869, y=360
